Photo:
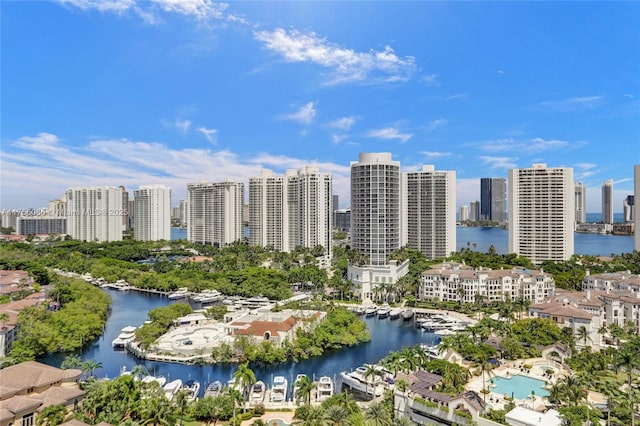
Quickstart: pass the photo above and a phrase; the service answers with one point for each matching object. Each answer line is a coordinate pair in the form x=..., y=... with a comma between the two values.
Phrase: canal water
x=130, y=308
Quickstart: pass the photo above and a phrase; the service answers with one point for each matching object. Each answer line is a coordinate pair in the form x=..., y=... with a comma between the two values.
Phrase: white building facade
x=460, y=283
x=431, y=212
x=581, y=202
x=376, y=213
x=95, y=213
x=542, y=212
x=291, y=210
x=152, y=216
x=607, y=201
x=214, y=212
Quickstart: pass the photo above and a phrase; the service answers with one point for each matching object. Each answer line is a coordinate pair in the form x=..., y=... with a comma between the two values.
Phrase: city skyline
x=136, y=93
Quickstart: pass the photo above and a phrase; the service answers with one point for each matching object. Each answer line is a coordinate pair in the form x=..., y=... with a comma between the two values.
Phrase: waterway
x=130, y=308
x=481, y=238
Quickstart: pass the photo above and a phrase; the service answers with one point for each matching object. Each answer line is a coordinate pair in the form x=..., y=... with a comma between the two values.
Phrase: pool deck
x=513, y=368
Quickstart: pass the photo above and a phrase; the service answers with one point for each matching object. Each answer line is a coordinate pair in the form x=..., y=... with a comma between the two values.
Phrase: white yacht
x=356, y=380
x=407, y=314
x=161, y=380
x=180, y=293
x=207, y=296
x=325, y=388
x=296, y=385
x=213, y=389
x=384, y=310
x=172, y=388
x=395, y=313
x=370, y=311
x=257, y=392
x=126, y=335
x=279, y=389
x=192, y=389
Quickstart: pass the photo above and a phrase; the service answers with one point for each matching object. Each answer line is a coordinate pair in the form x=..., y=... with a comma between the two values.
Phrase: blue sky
x=128, y=92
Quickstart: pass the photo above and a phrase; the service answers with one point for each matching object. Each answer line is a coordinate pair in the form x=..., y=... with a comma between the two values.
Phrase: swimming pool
x=518, y=385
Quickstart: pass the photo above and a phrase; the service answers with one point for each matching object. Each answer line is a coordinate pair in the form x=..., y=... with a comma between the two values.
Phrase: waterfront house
x=9, y=328
x=29, y=387
x=274, y=327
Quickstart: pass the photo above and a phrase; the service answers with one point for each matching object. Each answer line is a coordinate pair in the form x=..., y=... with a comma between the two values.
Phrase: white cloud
x=434, y=154
x=346, y=65
x=499, y=162
x=529, y=146
x=343, y=123
x=182, y=125
x=336, y=139
x=431, y=80
x=390, y=133
x=436, y=123
x=148, y=10
x=584, y=170
x=501, y=72
x=304, y=115
x=210, y=134
x=32, y=160
x=574, y=104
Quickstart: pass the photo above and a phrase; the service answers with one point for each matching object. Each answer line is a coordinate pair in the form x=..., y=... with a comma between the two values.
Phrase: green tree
x=245, y=378
x=377, y=415
x=52, y=415
x=303, y=388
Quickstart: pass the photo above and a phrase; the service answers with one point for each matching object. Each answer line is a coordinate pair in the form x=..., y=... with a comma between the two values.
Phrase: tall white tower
x=152, y=216
x=541, y=212
x=431, y=212
x=292, y=210
x=581, y=203
x=607, y=201
x=214, y=212
x=95, y=213
x=376, y=219
x=636, y=196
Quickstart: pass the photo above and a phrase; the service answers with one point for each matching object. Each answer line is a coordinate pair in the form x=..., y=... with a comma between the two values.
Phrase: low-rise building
x=9, y=327
x=457, y=282
x=29, y=387
x=273, y=327
x=375, y=282
x=423, y=404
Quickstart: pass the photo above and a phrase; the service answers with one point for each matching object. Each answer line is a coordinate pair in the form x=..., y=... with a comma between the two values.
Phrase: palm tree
x=582, y=334
x=377, y=415
x=245, y=377
x=336, y=415
x=303, y=388
x=90, y=366
x=4, y=317
x=52, y=415
x=403, y=421
x=628, y=359
x=71, y=361
x=369, y=375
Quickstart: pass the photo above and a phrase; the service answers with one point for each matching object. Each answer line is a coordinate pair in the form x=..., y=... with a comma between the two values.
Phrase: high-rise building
x=214, y=212
x=335, y=205
x=431, y=212
x=376, y=211
x=125, y=203
x=636, y=196
x=41, y=225
x=183, y=212
x=581, y=203
x=474, y=211
x=57, y=208
x=95, y=213
x=629, y=209
x=152, y=218
x=541, y=212
x=493, y=199
x=464, y=213
x=607, y=201
x=292, y=210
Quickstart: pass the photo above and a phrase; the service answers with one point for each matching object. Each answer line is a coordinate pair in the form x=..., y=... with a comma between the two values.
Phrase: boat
x=395, y=313
x=161, y=380
x=121, y=285
x=213, y=389
x=127, y=334
x=207, y=296
x=407, y=314
x=357, y=380
x=432, y=351
x=192, y=389
x=296, y=385
x=325, y=388
x=370, y=311
x=257, y=392
x=445, y=332
x=279, y=389
x=384, y=310
x=181, y=293
x=172, y=388
x=358, y=310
